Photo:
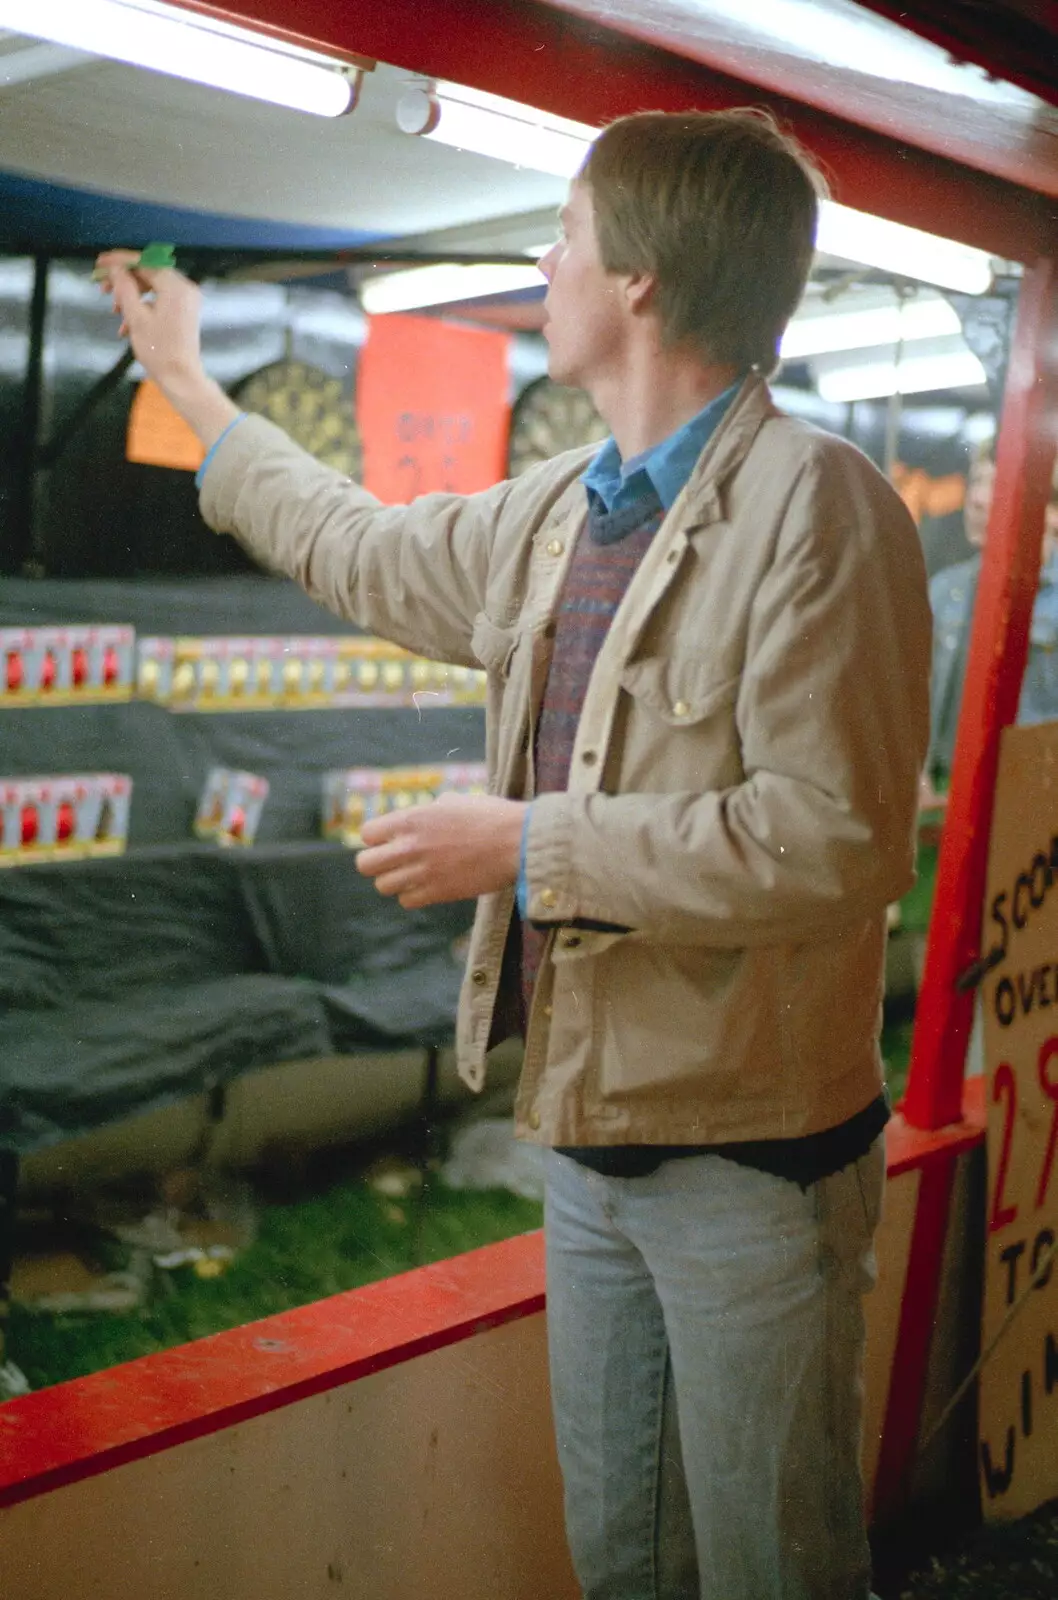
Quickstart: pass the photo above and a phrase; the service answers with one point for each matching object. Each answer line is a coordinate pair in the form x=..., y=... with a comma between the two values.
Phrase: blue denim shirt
x=951, y=594
x=666, y=467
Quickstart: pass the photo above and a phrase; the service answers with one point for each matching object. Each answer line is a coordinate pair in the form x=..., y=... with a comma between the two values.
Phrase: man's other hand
x=456, y=848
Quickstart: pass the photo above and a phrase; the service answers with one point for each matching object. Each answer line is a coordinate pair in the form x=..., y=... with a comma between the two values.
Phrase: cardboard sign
x=1018, y=1446
x=432, y=405
x=158, y=436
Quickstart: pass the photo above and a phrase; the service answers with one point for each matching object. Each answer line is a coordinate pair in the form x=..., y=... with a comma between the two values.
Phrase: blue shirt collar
x=667, y=466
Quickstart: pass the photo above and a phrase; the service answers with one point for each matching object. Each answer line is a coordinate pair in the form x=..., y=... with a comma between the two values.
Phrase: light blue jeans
x=706, y=1332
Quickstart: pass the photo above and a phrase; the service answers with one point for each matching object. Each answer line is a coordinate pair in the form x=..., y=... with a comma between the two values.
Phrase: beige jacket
x=743, y=787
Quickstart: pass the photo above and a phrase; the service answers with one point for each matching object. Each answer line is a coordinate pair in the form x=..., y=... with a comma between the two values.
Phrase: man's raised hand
x=160, y=311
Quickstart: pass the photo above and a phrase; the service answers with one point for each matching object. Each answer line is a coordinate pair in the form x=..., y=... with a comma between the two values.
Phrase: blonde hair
x=722, y=207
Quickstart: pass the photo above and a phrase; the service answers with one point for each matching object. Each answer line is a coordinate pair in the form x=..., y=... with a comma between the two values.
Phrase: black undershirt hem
x=803, y=1161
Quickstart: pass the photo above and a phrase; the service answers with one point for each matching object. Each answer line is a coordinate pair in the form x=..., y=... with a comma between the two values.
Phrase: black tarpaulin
x=126, y=983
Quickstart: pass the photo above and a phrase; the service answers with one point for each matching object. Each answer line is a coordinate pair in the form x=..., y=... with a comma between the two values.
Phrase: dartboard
x=315, y=409
x=548, y=419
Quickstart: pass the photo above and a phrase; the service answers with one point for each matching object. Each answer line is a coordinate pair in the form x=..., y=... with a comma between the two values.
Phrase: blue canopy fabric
x=39, y=217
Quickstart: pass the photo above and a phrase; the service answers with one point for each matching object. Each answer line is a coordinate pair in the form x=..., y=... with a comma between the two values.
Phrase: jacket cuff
x=214, y=447
x=548, y=857
x=236, y=451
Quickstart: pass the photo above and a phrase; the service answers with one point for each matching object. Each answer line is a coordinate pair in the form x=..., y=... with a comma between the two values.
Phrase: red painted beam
x=907, y=1387
x=1000, y=38
x=935, y=1155
x=79, y=1429
x=1006, y=591
x=529, y=51
x=996, y=138
x=907, y=1148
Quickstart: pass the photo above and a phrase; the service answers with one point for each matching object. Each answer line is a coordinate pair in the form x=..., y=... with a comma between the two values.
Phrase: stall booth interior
x=161, y=975
x=164, y=956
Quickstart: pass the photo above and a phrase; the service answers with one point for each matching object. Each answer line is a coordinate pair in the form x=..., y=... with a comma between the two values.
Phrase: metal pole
x=429, y=1111
x=23, y=496
x=8, y=1206
x=1006, y=591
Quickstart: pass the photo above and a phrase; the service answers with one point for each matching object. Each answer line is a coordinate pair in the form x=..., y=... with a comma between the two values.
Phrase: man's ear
x=640, y=291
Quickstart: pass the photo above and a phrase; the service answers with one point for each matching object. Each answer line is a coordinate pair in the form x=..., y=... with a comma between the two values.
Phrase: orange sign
x=925, y=496
x=158, y=436
x=432, y=406
x=1018, y=1447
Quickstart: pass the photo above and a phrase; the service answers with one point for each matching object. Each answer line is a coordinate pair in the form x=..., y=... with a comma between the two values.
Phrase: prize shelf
x=280, y=850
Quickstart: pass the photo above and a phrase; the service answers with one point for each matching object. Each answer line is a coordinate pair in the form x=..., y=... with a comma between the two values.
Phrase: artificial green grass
x=318, y=1245
x=917, y=904
x=896, y=1053
x=915, y=909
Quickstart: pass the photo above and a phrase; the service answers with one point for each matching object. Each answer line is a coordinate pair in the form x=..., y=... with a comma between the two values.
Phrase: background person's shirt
x=951, y=596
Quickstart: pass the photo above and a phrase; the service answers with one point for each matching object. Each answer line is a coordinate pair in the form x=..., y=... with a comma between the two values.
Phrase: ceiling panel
x=120, y=130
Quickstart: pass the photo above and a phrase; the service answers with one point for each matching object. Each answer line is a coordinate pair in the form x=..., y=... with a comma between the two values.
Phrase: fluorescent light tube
x=825, y=332
x=507, y=130
x=168, y=39
x=489, y=125
x=445, y=284
x=906, y=252
x=875, y=380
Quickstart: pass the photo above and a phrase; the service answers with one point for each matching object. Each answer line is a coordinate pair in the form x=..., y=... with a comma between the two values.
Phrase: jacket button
x=555, y=547
x=534, y=1119
x=480, y=977
x=589, y=757
x=548, y=1009
x=548, y=898
x=681, y=709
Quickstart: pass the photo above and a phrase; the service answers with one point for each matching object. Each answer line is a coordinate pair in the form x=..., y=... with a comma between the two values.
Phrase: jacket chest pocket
x=504, y=652
x=678, y=729
x=493, y=645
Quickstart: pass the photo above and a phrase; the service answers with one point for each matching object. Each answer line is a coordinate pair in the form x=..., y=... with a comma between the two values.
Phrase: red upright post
x=1006, y=591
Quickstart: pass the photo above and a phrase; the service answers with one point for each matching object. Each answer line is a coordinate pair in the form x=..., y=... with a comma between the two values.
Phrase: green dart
x=157, y=255
x=152, y=255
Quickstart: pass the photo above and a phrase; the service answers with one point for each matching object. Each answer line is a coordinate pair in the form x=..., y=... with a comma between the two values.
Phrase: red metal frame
x=935, y=1155
x=529, y=51
x=936, y=1094
x=1004, y=39
x=998, y=650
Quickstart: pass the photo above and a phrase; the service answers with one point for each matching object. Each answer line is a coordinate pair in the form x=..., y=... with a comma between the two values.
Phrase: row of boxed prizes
x=87, y=814
x=232, y=802
x=66, y=666
x=42, y=819
x=81, y=665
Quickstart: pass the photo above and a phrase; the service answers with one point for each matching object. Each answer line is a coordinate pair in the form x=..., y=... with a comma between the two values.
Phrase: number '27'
x=1005, y=1089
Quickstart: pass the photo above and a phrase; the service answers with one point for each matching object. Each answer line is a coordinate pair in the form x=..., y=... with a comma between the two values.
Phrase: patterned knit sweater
x=602, y=567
